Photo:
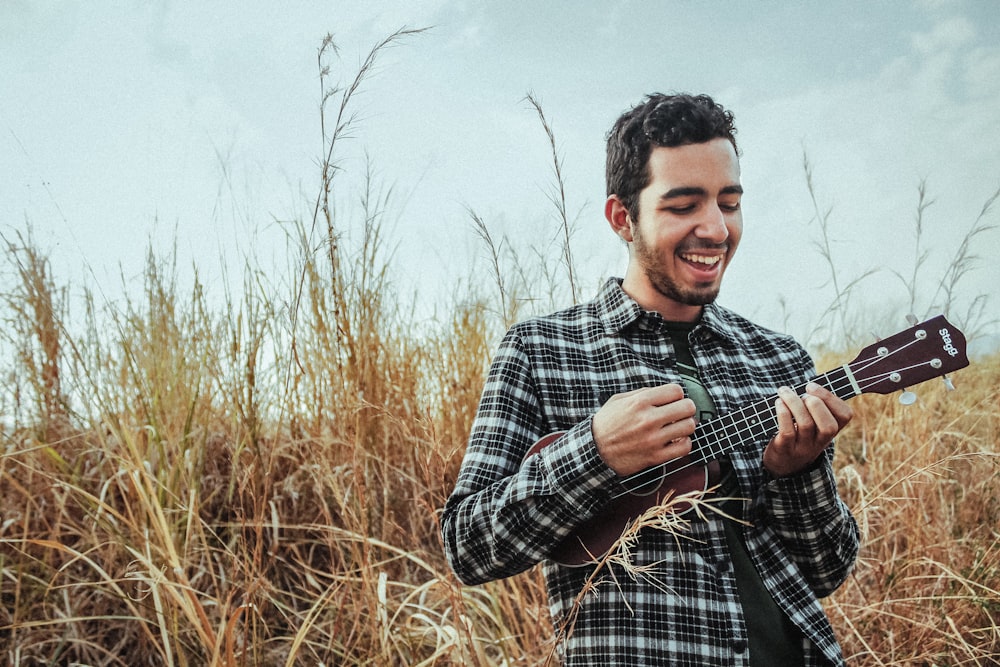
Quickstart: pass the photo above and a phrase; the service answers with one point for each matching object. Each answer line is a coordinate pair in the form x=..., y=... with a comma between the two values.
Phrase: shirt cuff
x=575, y=470
x=813, y=490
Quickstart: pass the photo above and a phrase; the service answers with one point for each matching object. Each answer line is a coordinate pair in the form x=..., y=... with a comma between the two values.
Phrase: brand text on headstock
x=948, y=347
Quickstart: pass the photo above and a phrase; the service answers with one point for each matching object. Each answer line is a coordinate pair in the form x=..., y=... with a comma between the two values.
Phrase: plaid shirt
x=552, y=374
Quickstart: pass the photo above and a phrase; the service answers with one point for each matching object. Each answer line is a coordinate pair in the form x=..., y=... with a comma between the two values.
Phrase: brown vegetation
x=259, y=483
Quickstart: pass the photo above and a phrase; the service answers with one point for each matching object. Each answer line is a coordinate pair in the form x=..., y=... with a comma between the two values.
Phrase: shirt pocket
x=580, y=399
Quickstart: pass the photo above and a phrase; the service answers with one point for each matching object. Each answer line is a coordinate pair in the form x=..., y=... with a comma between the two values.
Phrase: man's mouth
x=706, y=260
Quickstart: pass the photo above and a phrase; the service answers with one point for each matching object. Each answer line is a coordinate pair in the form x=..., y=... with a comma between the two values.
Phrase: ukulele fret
x=757, y=421
x=716, y=438
x=842, y=382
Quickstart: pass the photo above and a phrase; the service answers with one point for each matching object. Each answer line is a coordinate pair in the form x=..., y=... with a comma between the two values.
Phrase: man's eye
x=680, y=210
x=730, y=207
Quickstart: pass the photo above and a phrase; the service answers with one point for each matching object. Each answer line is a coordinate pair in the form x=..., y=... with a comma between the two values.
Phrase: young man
x=627, y=377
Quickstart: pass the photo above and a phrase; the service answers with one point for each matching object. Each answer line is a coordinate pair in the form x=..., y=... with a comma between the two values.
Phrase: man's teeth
x=703, y=259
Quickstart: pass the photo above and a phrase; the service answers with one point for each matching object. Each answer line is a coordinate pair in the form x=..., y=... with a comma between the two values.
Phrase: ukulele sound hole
x=645, y=483
x=651, y=480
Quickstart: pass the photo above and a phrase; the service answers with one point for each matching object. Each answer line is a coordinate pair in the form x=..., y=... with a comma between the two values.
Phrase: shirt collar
x=617, y=311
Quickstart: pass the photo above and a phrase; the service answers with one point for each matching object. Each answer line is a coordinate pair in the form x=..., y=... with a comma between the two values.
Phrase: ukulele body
x=596, y=536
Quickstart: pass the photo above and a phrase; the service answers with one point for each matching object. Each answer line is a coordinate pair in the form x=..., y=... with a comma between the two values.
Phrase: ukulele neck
x=758, y=421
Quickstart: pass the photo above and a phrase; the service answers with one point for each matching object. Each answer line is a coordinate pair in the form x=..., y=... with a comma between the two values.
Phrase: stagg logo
x=948, y=347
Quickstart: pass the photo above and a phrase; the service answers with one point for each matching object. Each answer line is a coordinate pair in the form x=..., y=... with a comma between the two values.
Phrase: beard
x=662, y=282
x=689, y=296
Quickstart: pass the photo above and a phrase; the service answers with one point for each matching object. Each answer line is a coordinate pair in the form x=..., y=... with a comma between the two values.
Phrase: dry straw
x=259, y=484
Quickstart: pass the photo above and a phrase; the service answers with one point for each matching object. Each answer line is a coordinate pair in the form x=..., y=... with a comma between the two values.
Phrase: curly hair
x=660, y=120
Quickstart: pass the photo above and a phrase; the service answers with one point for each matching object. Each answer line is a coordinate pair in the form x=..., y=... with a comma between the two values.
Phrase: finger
x=804, y=425
x=646, y=397
x=826, y=425
x=669, y=390
x=664, y=394
x=675, y=449
x=819, y=391
x=786, y=424
x=677, y=411
x=839, y=408
x=677, y=430
x=666, y=422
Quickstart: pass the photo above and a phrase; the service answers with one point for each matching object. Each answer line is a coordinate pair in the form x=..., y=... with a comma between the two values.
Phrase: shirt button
x=739, y=645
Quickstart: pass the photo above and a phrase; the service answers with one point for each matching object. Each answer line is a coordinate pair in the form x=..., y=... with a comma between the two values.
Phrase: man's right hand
x=643, y=428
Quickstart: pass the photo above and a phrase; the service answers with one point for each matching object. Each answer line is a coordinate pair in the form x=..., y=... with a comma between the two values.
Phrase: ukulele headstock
x=924, y=351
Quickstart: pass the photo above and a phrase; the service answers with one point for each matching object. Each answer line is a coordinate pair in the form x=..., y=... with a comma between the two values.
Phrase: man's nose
x=712, y=226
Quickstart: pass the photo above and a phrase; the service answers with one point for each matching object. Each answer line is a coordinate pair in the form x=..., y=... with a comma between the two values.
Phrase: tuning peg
x=907, y=397
x=947, y=383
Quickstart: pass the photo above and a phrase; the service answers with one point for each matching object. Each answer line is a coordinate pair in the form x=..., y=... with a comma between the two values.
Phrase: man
x=627, y=377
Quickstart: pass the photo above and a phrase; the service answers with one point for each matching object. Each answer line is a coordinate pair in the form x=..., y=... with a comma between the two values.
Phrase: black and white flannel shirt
x=552, y=374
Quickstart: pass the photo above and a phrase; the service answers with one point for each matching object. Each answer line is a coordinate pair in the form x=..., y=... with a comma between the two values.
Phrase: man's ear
x=618, y=217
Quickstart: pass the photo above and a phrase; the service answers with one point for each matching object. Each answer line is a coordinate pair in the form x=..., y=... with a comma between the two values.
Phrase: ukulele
x=924, y=351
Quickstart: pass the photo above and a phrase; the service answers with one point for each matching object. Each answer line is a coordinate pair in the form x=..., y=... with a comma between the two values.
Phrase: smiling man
x=692, y=230
x=624, y=380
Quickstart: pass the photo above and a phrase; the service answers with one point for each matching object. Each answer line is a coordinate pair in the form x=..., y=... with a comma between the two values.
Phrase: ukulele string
x=861, y=365
x=709, y=432
x=716, y=426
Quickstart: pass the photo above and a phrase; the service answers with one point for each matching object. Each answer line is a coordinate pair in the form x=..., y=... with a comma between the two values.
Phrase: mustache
x=699, y=245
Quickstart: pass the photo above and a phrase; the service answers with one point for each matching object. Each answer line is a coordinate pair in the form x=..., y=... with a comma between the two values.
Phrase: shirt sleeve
x=507, y=512
x=815, y=525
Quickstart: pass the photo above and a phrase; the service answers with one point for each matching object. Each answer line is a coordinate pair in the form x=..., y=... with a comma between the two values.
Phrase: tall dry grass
x=258, y=482
x=926, y=492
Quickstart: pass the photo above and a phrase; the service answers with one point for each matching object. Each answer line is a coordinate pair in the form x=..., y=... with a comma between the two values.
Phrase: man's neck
x=650, y=299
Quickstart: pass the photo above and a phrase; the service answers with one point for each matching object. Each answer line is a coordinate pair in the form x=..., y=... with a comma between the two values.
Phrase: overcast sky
x=129, y=123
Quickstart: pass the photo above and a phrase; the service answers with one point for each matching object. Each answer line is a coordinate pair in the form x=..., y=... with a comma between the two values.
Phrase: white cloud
x=981, y=68
x=947, y=35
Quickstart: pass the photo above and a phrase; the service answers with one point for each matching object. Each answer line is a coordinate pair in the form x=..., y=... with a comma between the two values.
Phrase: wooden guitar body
x=596, y=536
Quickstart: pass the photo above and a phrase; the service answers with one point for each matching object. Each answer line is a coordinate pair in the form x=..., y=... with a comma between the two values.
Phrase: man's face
x=688, y=229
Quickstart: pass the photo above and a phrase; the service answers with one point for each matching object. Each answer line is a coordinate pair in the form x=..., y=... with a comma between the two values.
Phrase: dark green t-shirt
x=773, y=638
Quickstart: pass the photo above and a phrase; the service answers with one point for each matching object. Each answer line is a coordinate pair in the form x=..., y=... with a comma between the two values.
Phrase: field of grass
x=258, y=482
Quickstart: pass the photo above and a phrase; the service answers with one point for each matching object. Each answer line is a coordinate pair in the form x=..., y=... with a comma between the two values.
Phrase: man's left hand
x=807, y=425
